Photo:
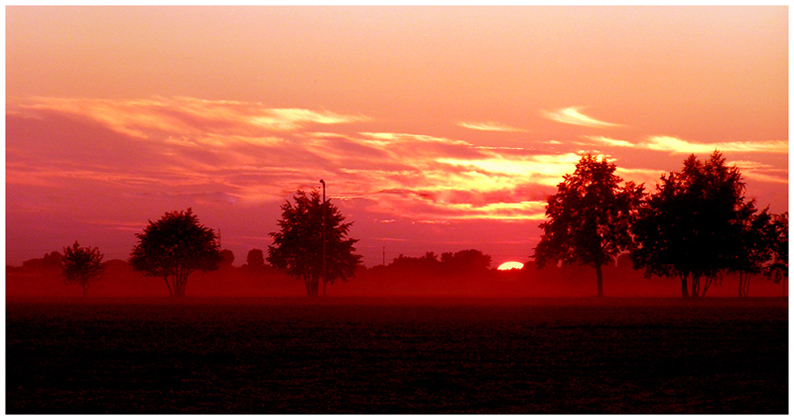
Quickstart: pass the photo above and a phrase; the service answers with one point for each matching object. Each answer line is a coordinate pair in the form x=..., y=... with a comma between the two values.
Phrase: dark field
x=397, y=356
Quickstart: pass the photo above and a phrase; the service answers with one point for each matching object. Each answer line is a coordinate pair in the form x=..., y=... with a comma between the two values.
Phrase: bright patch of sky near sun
x=436, y=128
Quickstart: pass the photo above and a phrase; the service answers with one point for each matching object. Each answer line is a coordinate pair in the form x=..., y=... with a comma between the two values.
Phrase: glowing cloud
x=571, y=115
x=675, y=145
x=188, y=116
x=490, y=126
x=610, y=142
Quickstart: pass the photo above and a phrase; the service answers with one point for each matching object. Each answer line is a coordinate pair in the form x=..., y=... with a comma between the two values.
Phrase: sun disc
x=511, y=265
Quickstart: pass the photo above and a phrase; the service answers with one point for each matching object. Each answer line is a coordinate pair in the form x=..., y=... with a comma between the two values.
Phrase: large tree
x=174, y=247
x=81, y=265
x=690, y=226
x=588, y=218
x=298, y=245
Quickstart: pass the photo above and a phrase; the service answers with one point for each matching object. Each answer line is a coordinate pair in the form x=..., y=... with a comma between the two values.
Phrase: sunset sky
x=436, y=128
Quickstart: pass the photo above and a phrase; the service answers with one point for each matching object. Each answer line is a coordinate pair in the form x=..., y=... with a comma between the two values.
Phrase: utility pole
x=325, y=268
x=384, y=256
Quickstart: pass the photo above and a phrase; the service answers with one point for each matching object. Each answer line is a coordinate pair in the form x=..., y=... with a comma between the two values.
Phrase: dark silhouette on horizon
x=698, y=225
x=312, y=242
x=81, y=265
x=588, y=218
x=175, y=246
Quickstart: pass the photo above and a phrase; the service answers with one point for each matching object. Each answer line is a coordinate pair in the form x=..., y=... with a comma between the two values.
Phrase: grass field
x=397, y=356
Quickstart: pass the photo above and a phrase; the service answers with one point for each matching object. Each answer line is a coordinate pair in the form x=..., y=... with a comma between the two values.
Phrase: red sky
x=436, y=128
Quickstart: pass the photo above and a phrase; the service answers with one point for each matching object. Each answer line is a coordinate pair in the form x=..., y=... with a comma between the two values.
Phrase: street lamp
x=325, y=269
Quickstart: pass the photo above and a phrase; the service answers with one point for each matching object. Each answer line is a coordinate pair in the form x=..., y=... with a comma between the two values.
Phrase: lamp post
x=325, y=269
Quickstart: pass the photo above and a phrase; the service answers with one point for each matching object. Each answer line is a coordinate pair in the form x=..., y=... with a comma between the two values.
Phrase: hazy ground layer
x=270, y=355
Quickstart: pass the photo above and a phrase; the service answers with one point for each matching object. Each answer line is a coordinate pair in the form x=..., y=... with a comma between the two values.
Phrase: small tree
x=297, y=246
x=255, y=259
x=81, y=265
x=227, y=258
x=589, y=218
x=175, y=246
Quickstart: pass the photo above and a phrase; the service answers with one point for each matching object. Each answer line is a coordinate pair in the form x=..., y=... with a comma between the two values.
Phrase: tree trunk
x=167, y=284
x=706, y=285
x=695, y=286
x=313, y=286
x=741, y=283
x=180, y=281
x=684, y=289
x=599, y=280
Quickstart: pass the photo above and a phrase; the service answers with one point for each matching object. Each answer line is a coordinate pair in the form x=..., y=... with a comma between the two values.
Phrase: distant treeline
x=462, y=273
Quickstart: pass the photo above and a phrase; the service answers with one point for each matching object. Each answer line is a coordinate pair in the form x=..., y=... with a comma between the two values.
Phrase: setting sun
x=511, y=265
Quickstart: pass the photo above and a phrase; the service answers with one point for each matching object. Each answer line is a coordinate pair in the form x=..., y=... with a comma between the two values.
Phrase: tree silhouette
x=227, y=258
x=589, y=217
x=688, y=228
x=255, y=259
x=469, y=261
x=297, y=246
x=753, y=246
x=81, y=265
x=174, y=247
x=777, y=267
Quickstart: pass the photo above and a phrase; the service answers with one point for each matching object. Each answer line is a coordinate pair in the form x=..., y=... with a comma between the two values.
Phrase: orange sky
x=436, y=128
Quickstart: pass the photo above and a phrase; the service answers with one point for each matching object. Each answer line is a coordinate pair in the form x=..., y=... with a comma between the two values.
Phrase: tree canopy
x=298, y=245
x=691, y=226
x=81, y=265
x=255, y=259
x=777, y=267
x=174, y=247
x=588, y=218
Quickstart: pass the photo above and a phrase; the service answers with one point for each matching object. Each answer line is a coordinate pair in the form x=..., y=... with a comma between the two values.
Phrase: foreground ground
x=397, y=356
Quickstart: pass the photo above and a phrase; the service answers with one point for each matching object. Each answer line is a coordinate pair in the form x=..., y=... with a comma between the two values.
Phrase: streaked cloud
x=242, y=154
x=761, y=172
x=232, y=154
x=572, y=115
x=610, y=141
x=676, y=145
x=490, y=126
x=189, y=116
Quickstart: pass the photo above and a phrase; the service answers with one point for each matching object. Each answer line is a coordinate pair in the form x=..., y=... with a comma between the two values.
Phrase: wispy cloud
x=236, y=153
x=228, y=153
x=610, y=141
x=189, y=116
x=761, y=172
x=572, y=115
x=489, y=126
x=676, y=145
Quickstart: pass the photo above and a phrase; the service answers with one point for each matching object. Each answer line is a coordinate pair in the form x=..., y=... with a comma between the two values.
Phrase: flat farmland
x=400, y=356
